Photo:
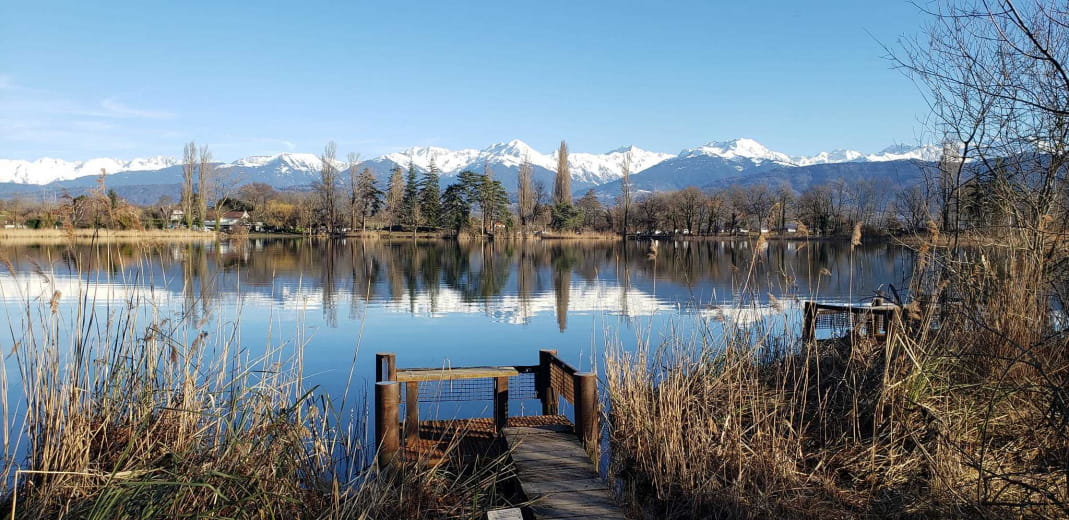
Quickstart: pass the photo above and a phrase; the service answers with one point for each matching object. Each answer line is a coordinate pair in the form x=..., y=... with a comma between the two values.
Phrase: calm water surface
x=441, y=303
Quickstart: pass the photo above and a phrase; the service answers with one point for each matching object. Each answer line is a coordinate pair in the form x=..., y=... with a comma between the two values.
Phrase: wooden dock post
x=546, y=393
x=385, y=366
x=586, y=408
x=387, y=420
x=501, y=403
x=809, y=322
x=411, y=412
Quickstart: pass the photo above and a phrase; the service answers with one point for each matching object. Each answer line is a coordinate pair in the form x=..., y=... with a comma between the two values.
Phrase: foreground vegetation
x=961, y=414
x=137, y=411
x=964, y=412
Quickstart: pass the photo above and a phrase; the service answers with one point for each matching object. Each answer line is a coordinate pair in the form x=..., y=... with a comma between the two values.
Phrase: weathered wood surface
x=446, y=374
x=505, y=514
x=558, y=476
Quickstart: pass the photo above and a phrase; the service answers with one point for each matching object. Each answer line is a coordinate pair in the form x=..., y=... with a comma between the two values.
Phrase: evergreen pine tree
x=456, y=209
x=368, y=197
x=395, y=194
x=430, y=200
x=410, y=202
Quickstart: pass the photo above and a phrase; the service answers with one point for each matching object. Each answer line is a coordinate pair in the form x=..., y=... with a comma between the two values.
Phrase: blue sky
x=130, y=79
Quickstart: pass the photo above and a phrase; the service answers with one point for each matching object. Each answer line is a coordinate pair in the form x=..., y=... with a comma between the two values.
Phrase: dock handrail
x=553, y=378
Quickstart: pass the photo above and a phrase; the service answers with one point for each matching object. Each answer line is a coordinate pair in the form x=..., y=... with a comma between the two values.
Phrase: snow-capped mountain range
x=44, y=171
x=588, y=169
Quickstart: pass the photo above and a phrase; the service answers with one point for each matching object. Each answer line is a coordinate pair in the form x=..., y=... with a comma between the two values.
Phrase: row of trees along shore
x=347, y=197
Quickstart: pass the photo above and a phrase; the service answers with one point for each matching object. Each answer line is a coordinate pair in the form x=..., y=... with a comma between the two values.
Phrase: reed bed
x=962, y=413
x=134, y=409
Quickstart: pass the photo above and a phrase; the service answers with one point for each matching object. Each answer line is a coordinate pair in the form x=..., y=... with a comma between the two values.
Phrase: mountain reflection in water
x=508, y=282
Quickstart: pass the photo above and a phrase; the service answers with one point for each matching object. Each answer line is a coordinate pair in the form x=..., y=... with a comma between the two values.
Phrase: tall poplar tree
x=189, y=167
x=562, y=183
x=625, y=192
x=525, y=194
x=204, y=180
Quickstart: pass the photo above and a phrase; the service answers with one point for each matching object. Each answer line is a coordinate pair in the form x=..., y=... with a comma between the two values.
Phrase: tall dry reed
x=134, y=409
x=961, y=414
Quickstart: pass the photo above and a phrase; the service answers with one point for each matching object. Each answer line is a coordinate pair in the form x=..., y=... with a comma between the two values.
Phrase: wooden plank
x=556, y=458
x=545, y=454
x=552, y=446
x=445, y=374
x=544, y=438
x=550, y=474
x=512, y=513
x=577, y=504
x=538, y=489
x=554, y=470
x=520, y=431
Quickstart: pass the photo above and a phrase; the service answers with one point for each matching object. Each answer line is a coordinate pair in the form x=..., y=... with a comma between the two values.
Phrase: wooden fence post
x=546, y=393
x=586, y=407
x=387, y=420
x=501, y=403
x=411, y=412
x=385, y=366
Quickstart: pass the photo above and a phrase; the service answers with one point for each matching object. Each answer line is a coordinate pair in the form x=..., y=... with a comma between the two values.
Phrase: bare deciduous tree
x=354, y=189
x=625, y=192
x=189, y=166
x=205, y=176
x=525, y=194
x=328, y=186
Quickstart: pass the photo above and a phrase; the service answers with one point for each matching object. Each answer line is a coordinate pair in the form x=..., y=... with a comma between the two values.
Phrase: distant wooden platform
x=557, y=475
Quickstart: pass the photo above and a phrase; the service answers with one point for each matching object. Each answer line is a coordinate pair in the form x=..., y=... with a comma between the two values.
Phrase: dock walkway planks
x=555, y=472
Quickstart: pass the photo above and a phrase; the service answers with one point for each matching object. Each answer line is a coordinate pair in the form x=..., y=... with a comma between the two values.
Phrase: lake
x=439, y=303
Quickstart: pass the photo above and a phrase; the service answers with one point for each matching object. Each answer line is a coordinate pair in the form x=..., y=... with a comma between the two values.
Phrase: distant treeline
x=952, y=196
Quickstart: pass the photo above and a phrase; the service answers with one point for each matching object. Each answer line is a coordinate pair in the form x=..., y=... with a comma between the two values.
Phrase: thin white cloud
x=114, y=108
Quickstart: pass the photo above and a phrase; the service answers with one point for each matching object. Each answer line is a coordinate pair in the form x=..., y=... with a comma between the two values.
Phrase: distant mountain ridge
x=743, y=160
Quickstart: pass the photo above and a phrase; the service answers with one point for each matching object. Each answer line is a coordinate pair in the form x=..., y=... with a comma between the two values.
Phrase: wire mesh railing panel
x=523, y=386
x=520, y=387
x=562, y=381
x=836, y=321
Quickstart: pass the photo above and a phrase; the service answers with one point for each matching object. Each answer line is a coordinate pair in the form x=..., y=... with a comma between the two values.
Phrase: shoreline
x=89, y=235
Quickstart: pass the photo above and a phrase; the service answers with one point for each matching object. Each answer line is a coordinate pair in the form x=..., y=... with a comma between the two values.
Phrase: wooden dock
x=557, y=475
x=552, y=457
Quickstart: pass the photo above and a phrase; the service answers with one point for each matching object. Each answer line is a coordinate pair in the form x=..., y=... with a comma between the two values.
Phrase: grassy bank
x=962, y=414
x=55, y=236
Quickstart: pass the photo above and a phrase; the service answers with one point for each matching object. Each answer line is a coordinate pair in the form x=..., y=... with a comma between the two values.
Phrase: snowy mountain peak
x=741, y=149
x=286, y=161
x=515, y=148
x=46, y=170
x=898, y=152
